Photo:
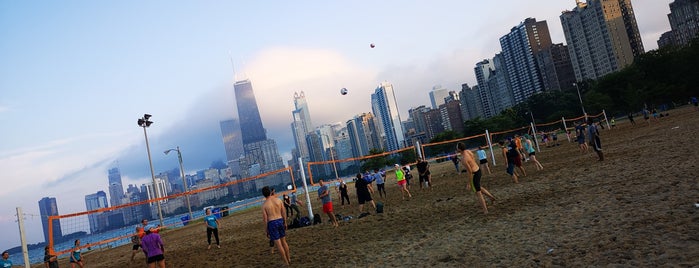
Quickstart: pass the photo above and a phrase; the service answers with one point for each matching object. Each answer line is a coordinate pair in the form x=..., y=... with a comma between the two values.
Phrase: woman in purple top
x=153, y=247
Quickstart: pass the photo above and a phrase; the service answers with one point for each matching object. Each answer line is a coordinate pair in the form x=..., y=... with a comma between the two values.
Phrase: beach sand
x=635, y=208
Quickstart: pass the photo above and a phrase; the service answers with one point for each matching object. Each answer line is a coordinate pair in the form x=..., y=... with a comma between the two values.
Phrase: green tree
x=378, y=161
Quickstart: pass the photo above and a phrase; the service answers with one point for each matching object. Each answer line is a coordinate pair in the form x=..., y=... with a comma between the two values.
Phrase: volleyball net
x=326, y=169
x=114, y=226
x=108, y=227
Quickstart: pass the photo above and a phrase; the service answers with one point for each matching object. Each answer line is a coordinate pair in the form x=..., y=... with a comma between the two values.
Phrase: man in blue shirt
x=380, y=183
x=326, y=200
x=5, y=262
x=594, y=138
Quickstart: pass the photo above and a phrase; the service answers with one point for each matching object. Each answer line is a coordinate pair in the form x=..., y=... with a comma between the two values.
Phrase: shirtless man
x=275, y=224
x=469, y=162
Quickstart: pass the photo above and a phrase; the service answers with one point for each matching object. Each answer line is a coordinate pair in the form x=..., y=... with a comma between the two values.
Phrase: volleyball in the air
x=343, y=91
x=372, y=45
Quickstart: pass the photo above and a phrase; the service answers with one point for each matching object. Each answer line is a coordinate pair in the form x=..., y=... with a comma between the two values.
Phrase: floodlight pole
x=186, y=188
x=144, y=122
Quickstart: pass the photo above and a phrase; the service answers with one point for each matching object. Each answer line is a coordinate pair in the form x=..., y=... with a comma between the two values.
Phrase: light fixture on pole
x=144, y=123
x=580, y=98
x=184, y=181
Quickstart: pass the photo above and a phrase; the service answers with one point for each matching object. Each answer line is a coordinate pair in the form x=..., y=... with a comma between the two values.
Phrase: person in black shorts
x=423, y=170
x=363, y=192
x=469, y=162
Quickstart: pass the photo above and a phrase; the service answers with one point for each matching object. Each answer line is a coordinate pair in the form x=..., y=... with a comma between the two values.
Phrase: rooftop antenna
x=230, y=55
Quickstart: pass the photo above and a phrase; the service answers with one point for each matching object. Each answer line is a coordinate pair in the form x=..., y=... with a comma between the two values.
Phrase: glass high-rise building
x=602, y=37
x=233, y=143
x=385, y=108
x=48, y=207
x=116, y=190
x=96, y=201
x=302, y=124
x=249, y=114
x=261, y=154
x=519, y=49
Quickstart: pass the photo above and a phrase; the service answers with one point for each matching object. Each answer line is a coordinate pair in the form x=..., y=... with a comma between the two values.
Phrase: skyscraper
x=48, y=207
x=249, y=114
x=261, y=154
x=96, y=201
x=116, y=190
x=233, y=143
x=362, y=134
x=602, y=37
x=499, y=86
x=519, y=49
x=684, y=22
x=483, y=71
x=302, y=124
x=437, y=96
x=385, y=108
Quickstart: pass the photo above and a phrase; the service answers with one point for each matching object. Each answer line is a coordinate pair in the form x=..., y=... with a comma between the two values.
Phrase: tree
x=377, y=162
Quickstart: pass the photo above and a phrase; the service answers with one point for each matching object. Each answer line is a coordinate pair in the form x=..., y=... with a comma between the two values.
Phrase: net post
x=418, y=148
x=22, y=237
x=536, y=141
x=605, y=119
x=305, y=190
x=490, y=145
x=565, y=127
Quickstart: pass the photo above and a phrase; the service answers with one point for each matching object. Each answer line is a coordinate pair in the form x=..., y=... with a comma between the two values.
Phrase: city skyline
x=72, y=93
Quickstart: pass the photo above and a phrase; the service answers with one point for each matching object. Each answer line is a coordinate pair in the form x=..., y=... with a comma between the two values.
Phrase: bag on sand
x=304, y=221
x=379, y=207
x=295, y=223
x=317, y=219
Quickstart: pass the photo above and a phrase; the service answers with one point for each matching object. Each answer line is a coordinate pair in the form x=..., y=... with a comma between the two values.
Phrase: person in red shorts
x=324, y=196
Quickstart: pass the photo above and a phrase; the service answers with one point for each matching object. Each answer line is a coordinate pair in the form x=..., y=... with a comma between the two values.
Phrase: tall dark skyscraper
x=261, y=154
x=48, y=207
x=249, y=114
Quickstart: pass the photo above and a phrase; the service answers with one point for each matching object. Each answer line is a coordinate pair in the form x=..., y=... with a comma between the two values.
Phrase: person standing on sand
x=50, y=261
x=483, y=159
x=295, y=203
x=630, y=116
x=402, y=183
x=529, y=149
x=343, y=193
x=211, y=228
x=595, y=140
x=510, y=164
x=154, y=248
x=327, y=201
x=580, y=136
x=136, y=241
x=275, y=225
x=380, y=183
x=455, y=160
x=423, y=171
x=76, y=258
x=363, y=192
x=475, y=174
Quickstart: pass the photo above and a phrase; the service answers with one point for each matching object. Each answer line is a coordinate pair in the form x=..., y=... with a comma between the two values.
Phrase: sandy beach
x=635, y=208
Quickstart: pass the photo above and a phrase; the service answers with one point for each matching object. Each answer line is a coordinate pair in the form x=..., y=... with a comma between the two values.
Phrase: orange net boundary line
x=508, y=131
x=422, y=147
x=310, y=172
x=547, y=124
x=57, y=217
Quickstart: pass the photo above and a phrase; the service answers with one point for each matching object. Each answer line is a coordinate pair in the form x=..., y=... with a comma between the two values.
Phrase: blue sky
x=76, y=75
